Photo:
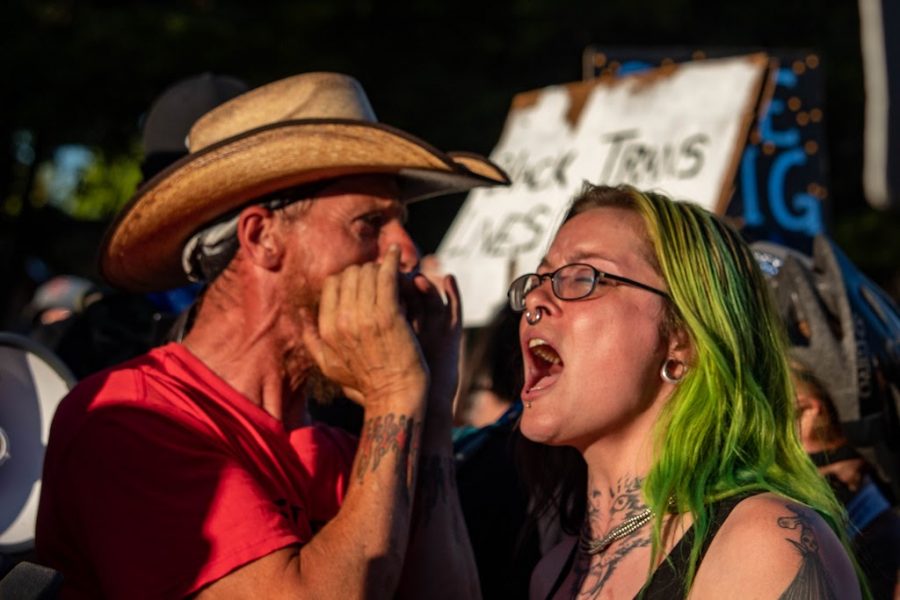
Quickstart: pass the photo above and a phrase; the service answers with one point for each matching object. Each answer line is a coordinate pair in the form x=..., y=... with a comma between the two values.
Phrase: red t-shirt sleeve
x=168, y=510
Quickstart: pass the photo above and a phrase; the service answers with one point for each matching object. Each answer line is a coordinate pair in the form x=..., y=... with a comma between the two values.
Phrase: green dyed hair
x=729, y=427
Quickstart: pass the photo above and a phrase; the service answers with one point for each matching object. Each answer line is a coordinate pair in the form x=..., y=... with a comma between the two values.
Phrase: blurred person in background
x=844, y=333
x=874, y=523
x=95, y=327
x=56, y=305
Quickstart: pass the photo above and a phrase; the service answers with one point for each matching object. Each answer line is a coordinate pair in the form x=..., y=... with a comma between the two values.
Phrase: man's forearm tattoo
x=381, y=435
x=592, y=572
x=811, y=580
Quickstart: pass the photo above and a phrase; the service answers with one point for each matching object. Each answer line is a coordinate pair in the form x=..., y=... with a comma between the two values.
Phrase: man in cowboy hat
x=189, y=470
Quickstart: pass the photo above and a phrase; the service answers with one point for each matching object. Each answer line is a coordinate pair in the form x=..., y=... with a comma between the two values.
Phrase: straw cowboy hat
x=291, y=132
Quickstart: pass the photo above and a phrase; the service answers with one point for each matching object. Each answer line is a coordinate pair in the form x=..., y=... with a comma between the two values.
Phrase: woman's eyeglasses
x=569, y=282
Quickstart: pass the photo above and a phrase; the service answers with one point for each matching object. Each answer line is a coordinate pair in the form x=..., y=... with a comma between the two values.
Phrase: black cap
x=174, y=112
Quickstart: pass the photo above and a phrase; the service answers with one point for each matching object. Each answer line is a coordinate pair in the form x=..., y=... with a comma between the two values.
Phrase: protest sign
x=781, y=189
x=677, y=128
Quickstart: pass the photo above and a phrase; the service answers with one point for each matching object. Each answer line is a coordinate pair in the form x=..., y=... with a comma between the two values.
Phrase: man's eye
x=372, y=223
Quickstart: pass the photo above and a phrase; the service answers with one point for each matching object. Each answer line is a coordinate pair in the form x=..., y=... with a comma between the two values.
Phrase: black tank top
x=667, y=582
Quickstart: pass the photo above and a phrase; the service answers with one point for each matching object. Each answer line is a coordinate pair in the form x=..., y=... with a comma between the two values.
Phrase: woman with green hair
x=659, y=402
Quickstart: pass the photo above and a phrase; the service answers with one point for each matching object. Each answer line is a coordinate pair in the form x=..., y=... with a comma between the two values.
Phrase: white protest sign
x=677, y=129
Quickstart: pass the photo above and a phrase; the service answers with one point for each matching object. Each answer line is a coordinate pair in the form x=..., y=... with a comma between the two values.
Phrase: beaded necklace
x=627, y=527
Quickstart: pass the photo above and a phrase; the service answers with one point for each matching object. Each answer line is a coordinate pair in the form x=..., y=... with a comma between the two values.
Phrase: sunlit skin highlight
x=614, y=331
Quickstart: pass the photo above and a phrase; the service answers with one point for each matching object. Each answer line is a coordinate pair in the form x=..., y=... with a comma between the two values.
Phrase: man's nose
x=395, y=233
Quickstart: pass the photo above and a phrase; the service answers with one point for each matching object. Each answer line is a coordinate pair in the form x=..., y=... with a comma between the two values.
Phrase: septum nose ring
x=533, y=317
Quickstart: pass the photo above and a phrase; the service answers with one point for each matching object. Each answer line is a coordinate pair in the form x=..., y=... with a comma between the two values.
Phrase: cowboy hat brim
x=141, y=251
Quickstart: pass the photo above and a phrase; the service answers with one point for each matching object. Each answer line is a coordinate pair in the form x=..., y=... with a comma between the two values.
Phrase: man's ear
x=809, y=403
x=261, y=237
x=809, y=422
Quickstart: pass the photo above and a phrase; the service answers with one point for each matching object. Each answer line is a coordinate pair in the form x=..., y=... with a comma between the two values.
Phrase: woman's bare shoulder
x=773, y=547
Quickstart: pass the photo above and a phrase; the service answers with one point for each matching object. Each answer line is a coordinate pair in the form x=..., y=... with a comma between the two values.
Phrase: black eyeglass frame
x=597, y=276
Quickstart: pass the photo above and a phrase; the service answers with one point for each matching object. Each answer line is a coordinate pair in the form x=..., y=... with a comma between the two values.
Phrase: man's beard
x=315, y=386
x=319, y=389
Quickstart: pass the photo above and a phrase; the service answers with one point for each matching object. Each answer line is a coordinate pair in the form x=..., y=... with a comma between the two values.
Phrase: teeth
x=544, y=351
x=547, y=355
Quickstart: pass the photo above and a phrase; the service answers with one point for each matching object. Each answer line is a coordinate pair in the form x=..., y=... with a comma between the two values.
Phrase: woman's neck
x=609, y=504
x=615, y=464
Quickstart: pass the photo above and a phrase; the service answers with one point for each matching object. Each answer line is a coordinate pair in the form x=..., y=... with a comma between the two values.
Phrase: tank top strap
x=668, y=579
x=667, y=582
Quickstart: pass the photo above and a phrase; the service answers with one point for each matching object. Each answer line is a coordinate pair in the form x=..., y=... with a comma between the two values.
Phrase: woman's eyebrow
x=578, y=257
x=595, y=255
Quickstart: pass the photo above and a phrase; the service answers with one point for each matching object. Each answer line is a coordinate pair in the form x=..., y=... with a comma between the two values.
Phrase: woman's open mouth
x=544, y=366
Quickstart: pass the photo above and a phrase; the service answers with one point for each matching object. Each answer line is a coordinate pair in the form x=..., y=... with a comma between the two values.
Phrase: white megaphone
x=32, y=382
